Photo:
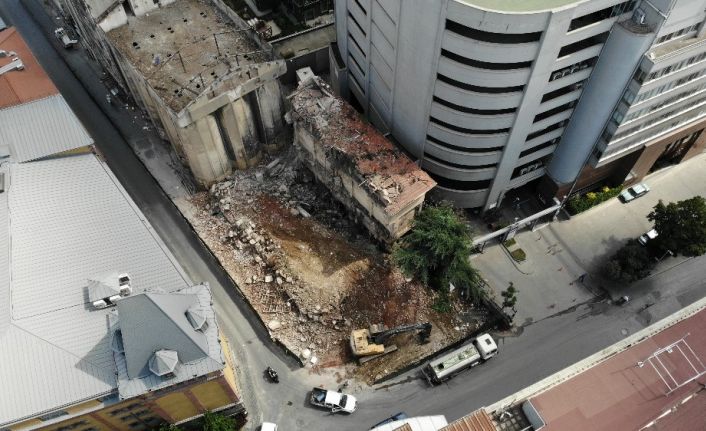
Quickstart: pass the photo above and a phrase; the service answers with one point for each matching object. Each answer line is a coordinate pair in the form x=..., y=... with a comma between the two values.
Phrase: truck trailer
x=469, y=355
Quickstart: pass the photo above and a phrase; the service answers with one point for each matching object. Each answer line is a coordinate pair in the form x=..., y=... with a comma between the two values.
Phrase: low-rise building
x=381, y=186
x=100, y=328
x=208, y=81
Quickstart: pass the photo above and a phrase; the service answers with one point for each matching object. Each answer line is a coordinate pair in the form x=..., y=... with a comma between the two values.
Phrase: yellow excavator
x=367, y=344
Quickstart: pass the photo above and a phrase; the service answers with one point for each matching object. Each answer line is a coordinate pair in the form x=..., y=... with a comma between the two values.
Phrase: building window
x=486, y=36
x=53, y=415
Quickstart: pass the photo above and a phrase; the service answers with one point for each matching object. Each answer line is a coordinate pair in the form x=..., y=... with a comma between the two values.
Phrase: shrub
x=519, y=255
x=581, y=203
x=509, y=243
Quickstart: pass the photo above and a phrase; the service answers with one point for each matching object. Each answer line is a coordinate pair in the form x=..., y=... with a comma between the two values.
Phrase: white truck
x=334, y=401
x=469, y=355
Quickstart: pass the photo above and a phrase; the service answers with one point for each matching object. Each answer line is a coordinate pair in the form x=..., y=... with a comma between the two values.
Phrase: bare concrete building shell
x=206, y=80
x=366, y=172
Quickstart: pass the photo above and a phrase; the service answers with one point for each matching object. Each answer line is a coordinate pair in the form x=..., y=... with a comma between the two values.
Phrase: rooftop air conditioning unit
x=124, y=283
x=100, y=304
x=115, y=298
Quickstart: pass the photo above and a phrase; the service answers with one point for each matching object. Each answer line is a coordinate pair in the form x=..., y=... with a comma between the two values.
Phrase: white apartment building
x=490, y=95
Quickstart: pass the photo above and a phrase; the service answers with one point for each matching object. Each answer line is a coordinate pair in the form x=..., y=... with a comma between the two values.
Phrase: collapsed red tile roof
x=618, y=394
x=377, y=159
x=22, y=86
x=479, y=420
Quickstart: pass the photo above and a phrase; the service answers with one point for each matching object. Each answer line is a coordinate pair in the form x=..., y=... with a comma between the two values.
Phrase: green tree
x=217, y=422
x=509, y=296
x=436, y=251
x=681, y=226
x=632, y=262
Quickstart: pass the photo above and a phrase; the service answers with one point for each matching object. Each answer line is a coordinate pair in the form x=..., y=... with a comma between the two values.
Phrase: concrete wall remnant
x=366, y=172
x=208, y=82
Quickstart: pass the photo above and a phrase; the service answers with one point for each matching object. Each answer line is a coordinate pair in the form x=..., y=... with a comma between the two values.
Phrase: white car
x=268, y=426
x=634, y=192
x=645, y=237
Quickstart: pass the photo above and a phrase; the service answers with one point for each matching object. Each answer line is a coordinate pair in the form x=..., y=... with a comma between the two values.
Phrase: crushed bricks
x=310, y=272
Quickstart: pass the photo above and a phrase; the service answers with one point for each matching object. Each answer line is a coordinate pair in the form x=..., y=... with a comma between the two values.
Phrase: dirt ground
x=312, y=274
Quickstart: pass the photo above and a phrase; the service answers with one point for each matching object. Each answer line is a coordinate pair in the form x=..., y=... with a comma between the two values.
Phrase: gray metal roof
x=41, y=128
x=153, y=321
x=62, y=221
x=193, y=361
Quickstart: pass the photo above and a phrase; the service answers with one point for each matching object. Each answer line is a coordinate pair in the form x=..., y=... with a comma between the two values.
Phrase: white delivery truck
x=469, y=355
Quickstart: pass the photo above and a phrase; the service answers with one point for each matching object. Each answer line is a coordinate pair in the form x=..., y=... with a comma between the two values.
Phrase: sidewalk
x=559, y=253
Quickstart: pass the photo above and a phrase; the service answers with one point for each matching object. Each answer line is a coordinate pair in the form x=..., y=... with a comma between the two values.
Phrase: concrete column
x=232, y=115
x=269, y=98
x=247, y=129
x=205, y=151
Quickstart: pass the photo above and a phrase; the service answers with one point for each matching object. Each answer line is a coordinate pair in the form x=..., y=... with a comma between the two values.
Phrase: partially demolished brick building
x=208, y=82
x=381, y=186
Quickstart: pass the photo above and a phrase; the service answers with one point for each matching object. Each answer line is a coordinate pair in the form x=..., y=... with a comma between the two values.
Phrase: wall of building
x=472, y=93
x=229, y=126
x=611, y=74
x=345, y=187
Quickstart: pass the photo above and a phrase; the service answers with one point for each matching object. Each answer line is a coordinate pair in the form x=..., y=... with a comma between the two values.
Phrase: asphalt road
x=541, y=348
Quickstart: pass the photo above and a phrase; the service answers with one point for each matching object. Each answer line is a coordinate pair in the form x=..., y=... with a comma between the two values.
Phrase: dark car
x=398, y=417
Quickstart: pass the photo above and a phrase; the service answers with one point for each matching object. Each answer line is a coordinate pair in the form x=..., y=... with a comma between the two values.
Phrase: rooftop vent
x=164, y=362
x=124, y=283
x=106, y=290
x=196, y=317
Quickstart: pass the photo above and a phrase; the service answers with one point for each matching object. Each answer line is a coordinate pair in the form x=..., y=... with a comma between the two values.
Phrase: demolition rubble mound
x=310, y=272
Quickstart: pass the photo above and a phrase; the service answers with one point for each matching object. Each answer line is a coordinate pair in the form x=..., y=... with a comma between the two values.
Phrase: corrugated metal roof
x=41, y=128
x=152, y=321
x=70, y=218
x=213, y=362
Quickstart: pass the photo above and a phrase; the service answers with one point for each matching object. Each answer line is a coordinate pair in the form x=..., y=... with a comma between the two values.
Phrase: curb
x=595, y=359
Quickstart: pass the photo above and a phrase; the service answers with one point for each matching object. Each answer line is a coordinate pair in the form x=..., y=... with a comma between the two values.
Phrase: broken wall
x=345, y=185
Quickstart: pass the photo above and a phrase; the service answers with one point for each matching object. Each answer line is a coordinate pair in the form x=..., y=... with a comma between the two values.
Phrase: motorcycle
x=272, y=375
x=622, y=300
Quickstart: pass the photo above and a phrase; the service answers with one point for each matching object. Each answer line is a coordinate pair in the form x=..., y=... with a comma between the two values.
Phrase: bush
x=509, y=243
x=519, y=255
x=631, y=263
x=581, y=203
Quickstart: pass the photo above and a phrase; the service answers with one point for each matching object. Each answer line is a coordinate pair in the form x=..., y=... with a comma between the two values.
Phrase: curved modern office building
x=482, y=91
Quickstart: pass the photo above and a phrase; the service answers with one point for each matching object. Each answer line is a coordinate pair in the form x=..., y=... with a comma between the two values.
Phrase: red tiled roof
x=479, y=420
x=618, y=394
x=22, y=86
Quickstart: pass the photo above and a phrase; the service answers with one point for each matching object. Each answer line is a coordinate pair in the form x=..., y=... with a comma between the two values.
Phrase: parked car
x=64, y=37
x=398, y=417
x=634, y=192
x=333, y=401
x=268, y=426
x=645, y=237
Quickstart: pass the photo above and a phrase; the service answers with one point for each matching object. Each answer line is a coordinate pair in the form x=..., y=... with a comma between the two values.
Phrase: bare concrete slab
x=184, y=47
